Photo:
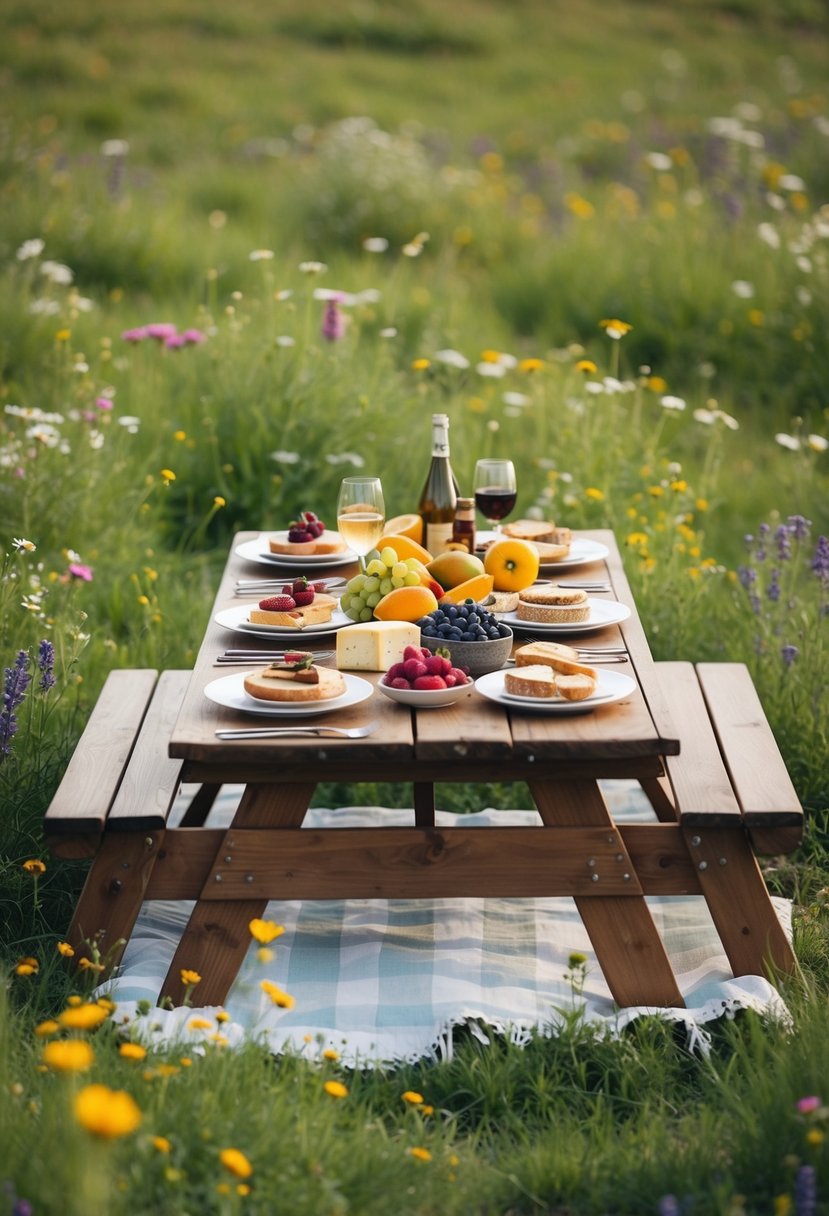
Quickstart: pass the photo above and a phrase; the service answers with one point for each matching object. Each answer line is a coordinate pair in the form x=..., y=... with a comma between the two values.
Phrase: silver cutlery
x=596, y=586
x=260, y=586
x=276, y=732
x=246, y=657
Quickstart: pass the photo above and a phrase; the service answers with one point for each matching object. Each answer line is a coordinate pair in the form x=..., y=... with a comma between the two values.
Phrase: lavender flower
x=799, y=527
x=773, y=591
x=820, y=562
x=783, y=536
x=805, y=1191
x=789, y=654
x=17, y=681
x=46, y=664
x=747, y=576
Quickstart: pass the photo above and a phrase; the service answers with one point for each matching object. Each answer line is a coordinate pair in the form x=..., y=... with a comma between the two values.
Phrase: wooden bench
x=725, y=798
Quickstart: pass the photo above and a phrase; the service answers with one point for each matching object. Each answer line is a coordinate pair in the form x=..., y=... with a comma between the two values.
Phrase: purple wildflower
x=789, y=654
x=135, y=335
x=754, y=600
x=747, y=576
x=773, y=591
x=805, y=1191
x=668, y=1206
x=820, y=562
x=799, y=527
x=175, y=341
x=783, y=535
x=79, y=571
x=809, y=1104
x=764, y=529
x=748, y=541
x=46, y=663
x=17, y=681
x=103, y=403
x=333, y=322
x=160, y=330
x=22, y=1207
x=194, y=336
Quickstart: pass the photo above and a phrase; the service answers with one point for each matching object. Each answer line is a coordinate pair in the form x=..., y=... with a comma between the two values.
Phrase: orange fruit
x=477, y=589
x=406, y=604
x=512, y=563
x=404, y=547
x=406, y=525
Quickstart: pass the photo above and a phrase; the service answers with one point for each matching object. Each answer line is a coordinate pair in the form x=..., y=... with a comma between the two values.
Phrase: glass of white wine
x=361, y=514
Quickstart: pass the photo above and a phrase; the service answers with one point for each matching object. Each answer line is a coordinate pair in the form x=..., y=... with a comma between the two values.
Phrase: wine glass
x=361, y=514
x=495, y=490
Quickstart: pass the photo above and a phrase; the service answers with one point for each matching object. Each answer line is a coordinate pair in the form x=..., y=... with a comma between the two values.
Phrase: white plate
x=611, y=686
x=424, y=698
x=257, y=551
x=236, y=618
x=602, y=613
x=582, y=552
x=229, y=691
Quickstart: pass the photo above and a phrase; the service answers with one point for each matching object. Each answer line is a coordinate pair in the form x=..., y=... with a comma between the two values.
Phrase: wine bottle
x=439, y=495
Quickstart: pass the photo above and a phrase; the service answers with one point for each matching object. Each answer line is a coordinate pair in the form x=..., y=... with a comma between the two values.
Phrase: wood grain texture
x=92, y=777
x=151, y=778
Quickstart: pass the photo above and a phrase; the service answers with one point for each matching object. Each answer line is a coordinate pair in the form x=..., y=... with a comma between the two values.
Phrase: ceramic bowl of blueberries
x=474, y=637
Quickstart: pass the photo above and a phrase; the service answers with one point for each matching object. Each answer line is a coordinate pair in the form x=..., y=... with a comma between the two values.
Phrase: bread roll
x=551, y=551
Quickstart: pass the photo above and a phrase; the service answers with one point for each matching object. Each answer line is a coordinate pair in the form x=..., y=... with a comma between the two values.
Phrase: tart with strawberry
x=298, y=605
x=307, y=537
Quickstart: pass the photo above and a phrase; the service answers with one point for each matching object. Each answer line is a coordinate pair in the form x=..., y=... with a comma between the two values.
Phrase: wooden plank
x=739, y=903
x=624, y=729
x=151, y=779
x=701, y=784
x=628, y=947
x=76, y=815
x=755, y=766
x=216, y=938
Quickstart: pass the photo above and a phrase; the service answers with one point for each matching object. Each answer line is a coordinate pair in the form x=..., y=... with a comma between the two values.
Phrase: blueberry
x=455, y=634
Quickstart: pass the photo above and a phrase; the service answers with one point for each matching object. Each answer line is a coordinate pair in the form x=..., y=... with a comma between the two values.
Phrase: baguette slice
x=535, y=681
x=560, y=658
x=577, y=687
x=271, y=684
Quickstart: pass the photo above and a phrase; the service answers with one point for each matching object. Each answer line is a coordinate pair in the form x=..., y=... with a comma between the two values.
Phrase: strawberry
x=398, y=682
x=278, y=603
x=461, y=676
x=436, y=665
x=429, y=682
x=299, y=584
x=319, y=588
x=303, y=598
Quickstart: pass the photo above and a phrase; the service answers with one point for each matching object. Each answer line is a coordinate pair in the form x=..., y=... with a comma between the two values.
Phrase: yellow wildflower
x=265, y=955
x=411, y=1096
x=330, y=1053
x=27, y=966
x=579, y=206
x=180, y=436
x=190, y=977
x=614, y=328
x=815, y=1136
x=420, y=365
x=490, y=356
x=218, y=501
x=63, y=335
x=199, y=1024
x=132, y=1051
x=106, y=1112
x=34, y=866
x=656, y=384
x=335, y=1089
x=476, y=405
x=282, y=999
x=66, y=950
x=44, y=1029
x=419, y=1154
x=656, y=491
x=587, y=366
x=530, y=365
x=594, y=494
x=83, y=1017
x=222, y=1016
x=161, y=1144
x=68, y=1055
x=235, y=1162
x=265, y=931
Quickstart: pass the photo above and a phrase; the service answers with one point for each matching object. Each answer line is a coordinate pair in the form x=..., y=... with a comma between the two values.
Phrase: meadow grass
x=533, y=170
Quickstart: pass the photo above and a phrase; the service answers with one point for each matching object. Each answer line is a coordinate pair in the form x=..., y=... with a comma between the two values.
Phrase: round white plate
x=582, y=552
x=257, y=551
x=236, y=618
x=611, y=686
x=602, y=613
x=229, y=691
x=424, y=698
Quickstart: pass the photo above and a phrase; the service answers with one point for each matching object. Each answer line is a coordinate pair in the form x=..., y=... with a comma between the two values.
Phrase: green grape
x=366, y=615
x=355, y=584
x=373, y=598
x=411, y=579
x=389, y=556
x=385, y=586
x=371, y=584
x=399, y=570
x=398, y=582
x=376, y=566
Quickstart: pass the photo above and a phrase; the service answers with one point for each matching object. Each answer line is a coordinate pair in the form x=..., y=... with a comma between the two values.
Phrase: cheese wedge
x=374, y=645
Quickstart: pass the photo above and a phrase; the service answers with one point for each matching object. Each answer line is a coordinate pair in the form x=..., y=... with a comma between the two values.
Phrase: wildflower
x=57, y=273
x=106, y=1112
x=576, y=959
x=235, y=1162
x=161, y=1144
x=808, y=1105
x=265, y=955
x=333, y=322
x=161, y=331
x=68, y=1055
x=530, y=365
x=817, y=443
x=312, y=267
x=330, y=1053
x=46, y=1028
x=132, y=1051
x=594, y=494
x=281, y=999
x=452, y=358
x=26, y=546
x=32, y=248
x=83, y=1017
x=789, y=654
x=27, y=966
x=222, y=1016
x=815, y=1137
x=413, y=1098
x=616, y=329
x=820, y=562
x=34, y=867
x=743, y=289
x=420, y=365
x=114, y=147
x=375, y=244
x=805, y=1191
x=193, y=337
x=656, y=384
x=218, y=501
x=335, y=1089
x=16, y=682
x=265, y=931
x=199, y=1024
x=587, y=366
x=672, y=403
x=414, y=247
x=419, y=1154
x=261, y=255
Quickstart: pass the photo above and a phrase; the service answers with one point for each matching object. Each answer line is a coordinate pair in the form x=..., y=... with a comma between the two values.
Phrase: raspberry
x=398, y=682
x=395, y=672
x=429, y=682
x=436, y=665
x=278, y=603
x=412, y=652
x=413, y=668
x=460, y=674
x=303, y=598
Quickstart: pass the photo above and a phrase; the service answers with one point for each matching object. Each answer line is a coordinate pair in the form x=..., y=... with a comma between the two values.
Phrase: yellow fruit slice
x=405, y=604
x=404, y=547
x=406, y=525
x=477, y=589
x=512, y=563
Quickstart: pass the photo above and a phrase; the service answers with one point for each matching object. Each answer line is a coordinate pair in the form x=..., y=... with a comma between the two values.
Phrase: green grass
x=565, y=163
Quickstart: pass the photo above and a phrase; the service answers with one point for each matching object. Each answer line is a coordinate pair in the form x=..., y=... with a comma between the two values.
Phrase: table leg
x=628, y=947
x=424, y=803
x=217, y=937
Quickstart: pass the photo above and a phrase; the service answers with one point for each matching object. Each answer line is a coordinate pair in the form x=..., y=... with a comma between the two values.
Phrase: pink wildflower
x=84, y=573
x=805, y=1106
x=161, y=331
x=175, y=341
x=194, y=336
x=333, y=322
x=135, y=335
x=103, y=403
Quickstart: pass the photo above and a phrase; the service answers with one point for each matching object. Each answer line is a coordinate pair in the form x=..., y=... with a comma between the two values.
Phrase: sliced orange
x=477, y=589
x=406, y=525
x=405, y=604
x=404, y=547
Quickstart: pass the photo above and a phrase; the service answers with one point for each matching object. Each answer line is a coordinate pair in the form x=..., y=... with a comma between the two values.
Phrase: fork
x=257, y=586
x=246, y=657
x=276, y=732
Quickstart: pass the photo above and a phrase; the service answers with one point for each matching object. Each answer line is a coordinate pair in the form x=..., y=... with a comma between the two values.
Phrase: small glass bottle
x=463, y=527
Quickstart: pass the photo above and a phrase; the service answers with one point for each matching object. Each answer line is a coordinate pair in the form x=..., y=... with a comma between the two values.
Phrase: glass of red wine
x=495, y=490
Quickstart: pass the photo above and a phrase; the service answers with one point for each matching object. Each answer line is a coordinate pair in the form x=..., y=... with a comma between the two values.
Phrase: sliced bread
x=535, y=681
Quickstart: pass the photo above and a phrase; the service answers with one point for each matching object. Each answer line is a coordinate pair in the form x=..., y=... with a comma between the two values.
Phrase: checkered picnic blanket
x=384, y=981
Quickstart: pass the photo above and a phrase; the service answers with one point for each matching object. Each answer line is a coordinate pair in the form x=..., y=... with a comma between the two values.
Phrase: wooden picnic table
x=696, y=740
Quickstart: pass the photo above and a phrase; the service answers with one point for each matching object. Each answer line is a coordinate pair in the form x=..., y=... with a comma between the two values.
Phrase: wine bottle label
x=438, y=536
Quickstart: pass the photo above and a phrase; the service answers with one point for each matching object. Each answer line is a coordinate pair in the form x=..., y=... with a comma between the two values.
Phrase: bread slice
x=576, y=687
x=562, y=659
x=275, y=684
x=502, y=601
x=317, y=613
x=329, y=542
x=553, y=593
x=551, y=551
x=535, y=681
x=530, y=529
